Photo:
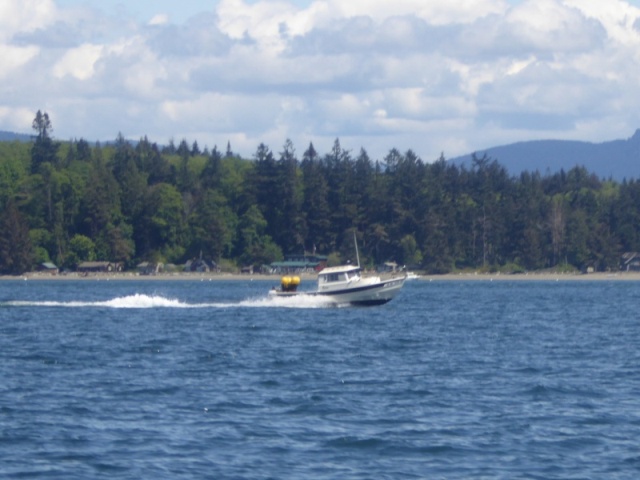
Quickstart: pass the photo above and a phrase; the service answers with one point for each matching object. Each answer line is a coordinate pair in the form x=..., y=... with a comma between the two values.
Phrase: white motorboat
x=345, y=285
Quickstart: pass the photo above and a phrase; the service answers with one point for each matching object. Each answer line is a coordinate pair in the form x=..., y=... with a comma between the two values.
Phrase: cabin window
x=330, y=277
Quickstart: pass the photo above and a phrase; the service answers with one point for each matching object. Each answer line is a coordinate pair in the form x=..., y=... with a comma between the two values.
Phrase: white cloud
x=262, y=22
x=16, y=118
x=78, y=62
x=24, y=16
x=552, y=26
x=159, y=19
x=13, y=58
x=616, y=16
x=435, y=12
x=428, y=75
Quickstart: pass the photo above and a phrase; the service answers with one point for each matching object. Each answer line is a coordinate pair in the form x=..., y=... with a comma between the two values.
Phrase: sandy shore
x=618, y=276
x=548, y=277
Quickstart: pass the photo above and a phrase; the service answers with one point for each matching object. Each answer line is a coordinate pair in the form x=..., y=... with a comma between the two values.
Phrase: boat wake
x=297, y=301
x=140, y=301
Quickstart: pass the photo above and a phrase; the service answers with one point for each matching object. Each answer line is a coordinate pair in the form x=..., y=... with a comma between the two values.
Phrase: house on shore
x=388, y=267
x=201, y=266
x=299, y=263
x=149, y=268
x=48, y=267
x=630, y=262
x=100, y=267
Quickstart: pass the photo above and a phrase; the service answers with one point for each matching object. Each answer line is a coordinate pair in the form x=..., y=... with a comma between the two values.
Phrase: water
x=192, y=380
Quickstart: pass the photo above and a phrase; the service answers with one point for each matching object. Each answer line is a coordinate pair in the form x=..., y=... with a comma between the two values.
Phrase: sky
x=432, y=76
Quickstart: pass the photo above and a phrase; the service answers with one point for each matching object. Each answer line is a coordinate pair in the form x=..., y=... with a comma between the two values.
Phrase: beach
x=306, y=277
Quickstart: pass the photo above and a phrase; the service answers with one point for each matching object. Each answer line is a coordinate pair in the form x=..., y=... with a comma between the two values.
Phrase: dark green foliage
x=132, y=202
x=210, y=178
x=16, y=252
x=315, y=206
x=44, y=150
x=153, y=163
x=289, y=230
x=255, y=246
x=212, y=226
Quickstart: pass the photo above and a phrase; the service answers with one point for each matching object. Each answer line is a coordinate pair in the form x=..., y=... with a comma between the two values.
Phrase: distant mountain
x=11, y=136
x=617, y=159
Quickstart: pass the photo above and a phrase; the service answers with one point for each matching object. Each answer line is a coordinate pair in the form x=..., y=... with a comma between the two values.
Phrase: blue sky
x=427, y=75
x=180, y=11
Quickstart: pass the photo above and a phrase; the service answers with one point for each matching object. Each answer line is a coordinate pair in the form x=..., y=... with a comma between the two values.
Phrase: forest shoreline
x=531, y=276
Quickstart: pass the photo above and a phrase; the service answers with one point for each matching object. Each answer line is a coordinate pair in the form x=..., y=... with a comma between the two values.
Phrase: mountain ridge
x=6, y=136
x=617, y=159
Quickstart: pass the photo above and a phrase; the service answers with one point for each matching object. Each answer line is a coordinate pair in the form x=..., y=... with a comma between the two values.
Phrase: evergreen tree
x=443, y=204
x=185, y=181
x=138, y=203
x=83, y=151
x=263, y=186
x=338, y=172
x=160, y=228
x=212, y=225
x=625, y=217
x=44, y=149
x=255, y=246
x=289, y=230
x=170, y=149
x=123, y=157
x=101, y=205
x=405, y=194
x=16, y=252
x=195, y=149
x=151, y=162
x=212, y=171
x=315, y=204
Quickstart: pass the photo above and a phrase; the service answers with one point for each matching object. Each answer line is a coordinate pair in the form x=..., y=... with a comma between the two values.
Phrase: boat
x=412, y=276
x=345, y=285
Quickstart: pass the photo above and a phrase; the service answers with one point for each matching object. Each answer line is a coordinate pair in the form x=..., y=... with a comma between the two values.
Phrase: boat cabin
x=337, y=276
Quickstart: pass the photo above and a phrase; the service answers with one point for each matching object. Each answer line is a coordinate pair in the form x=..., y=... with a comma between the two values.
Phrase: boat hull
x=361, y=295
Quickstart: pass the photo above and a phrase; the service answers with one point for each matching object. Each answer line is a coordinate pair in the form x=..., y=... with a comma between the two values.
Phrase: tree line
x=68, y=202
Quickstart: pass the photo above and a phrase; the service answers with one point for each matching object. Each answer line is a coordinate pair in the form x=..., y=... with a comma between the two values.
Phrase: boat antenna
x=355, y=242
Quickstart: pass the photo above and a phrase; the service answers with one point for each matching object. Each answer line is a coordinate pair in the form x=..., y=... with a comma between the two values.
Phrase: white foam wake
x=130, y=301
x=139, y=301
x=297, y=301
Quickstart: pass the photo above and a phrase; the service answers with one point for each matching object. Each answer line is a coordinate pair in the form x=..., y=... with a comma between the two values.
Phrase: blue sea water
x=192, y=380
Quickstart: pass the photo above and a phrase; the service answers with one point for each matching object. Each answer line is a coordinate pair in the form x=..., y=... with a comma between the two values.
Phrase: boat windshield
x=339, y=276
x=354, y=275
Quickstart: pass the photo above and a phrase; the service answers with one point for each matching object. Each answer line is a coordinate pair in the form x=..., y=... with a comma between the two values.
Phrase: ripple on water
x=210, y=380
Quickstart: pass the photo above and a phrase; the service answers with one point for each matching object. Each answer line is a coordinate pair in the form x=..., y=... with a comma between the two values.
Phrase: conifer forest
x=72, y=201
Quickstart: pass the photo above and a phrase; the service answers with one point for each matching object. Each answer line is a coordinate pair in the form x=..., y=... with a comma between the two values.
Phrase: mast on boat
x=355, y=242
